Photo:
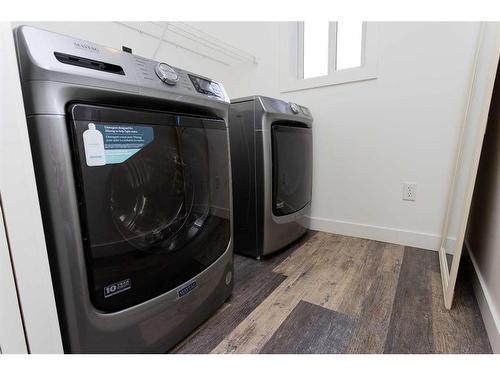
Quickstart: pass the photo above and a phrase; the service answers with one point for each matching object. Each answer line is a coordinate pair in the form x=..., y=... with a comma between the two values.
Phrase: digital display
x=205, y=86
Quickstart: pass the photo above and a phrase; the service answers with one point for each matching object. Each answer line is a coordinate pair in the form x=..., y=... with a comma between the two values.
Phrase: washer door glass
x=292, y=167
x=152, y=197
x=154, y=200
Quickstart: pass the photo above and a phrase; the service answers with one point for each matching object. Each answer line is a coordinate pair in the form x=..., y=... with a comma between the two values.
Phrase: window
x=349, y=42
x=315, y=39
x=316, y=54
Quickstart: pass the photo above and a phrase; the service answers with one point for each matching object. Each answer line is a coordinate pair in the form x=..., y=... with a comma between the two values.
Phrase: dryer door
x=292, y=167
x=154, y=200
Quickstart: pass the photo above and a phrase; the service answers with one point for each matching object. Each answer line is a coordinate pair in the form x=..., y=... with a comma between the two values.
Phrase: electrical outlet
x=409, y=191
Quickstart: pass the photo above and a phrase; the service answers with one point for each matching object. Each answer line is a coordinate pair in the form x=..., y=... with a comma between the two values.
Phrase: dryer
x=271, y=156
x=131, y=158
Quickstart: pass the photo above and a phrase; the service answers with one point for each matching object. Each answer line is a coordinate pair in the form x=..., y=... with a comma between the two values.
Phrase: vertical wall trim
x=12, y=334
x=21, y=209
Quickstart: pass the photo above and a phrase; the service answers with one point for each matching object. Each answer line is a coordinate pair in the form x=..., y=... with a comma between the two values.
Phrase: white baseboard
x=491, y=317
x=421, y=240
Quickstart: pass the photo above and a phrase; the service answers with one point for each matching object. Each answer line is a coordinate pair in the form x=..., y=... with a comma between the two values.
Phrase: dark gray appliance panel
x=148, y=221
x=246, y=146
x=292, y=166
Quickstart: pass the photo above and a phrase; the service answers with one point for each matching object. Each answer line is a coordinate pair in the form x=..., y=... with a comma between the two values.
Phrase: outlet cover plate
x=409, y=191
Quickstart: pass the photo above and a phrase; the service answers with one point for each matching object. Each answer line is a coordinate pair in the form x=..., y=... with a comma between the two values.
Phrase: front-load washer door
x=153, y=190
x=292, y=167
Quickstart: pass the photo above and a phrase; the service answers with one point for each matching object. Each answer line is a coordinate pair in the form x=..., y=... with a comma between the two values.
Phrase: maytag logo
x=188, y=288
x=86, y=47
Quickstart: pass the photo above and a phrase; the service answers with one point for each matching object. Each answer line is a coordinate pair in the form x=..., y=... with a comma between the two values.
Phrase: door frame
x=12, y=338
x=21, y=210
x=475, y=117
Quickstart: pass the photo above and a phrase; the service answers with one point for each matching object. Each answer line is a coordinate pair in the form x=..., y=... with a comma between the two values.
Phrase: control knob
x=294, y=107
x=167, y=74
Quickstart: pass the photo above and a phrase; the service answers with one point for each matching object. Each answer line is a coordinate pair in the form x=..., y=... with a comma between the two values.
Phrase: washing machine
x=131, y=159
x=271, y=156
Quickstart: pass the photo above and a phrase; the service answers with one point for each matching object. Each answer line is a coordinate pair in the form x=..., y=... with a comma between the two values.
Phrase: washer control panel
x=60, y=58
x=164, y=77
x=167, y=74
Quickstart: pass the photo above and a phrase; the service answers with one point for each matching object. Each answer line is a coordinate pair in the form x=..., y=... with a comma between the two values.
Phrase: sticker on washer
x=114, y=143
x=116, y=288
x=187, y=289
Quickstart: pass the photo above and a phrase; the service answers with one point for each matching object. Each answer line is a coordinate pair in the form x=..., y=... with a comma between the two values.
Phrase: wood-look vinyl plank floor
x=410, y=328
x=376, y=291
x=253, y=282
x=322, y=331
x=302, y=283
x=461, y=329
x=335, y=294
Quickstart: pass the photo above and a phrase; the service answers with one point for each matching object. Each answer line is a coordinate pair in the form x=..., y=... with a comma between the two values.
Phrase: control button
x=167, y=74
x=294, y=107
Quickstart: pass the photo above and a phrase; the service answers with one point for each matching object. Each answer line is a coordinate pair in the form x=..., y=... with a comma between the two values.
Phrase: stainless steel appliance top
x=50, y=57
x=277, y=106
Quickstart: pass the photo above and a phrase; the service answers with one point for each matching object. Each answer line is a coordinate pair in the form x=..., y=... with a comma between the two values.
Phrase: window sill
x=337, y=78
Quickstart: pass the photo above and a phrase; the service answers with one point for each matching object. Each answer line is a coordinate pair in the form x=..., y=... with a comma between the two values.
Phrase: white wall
x=369, y=137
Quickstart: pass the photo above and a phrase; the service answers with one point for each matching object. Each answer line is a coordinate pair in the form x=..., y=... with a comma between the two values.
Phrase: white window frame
x=292, y=58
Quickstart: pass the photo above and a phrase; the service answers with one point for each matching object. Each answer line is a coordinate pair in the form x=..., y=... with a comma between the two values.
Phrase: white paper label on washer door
x=114, y=143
